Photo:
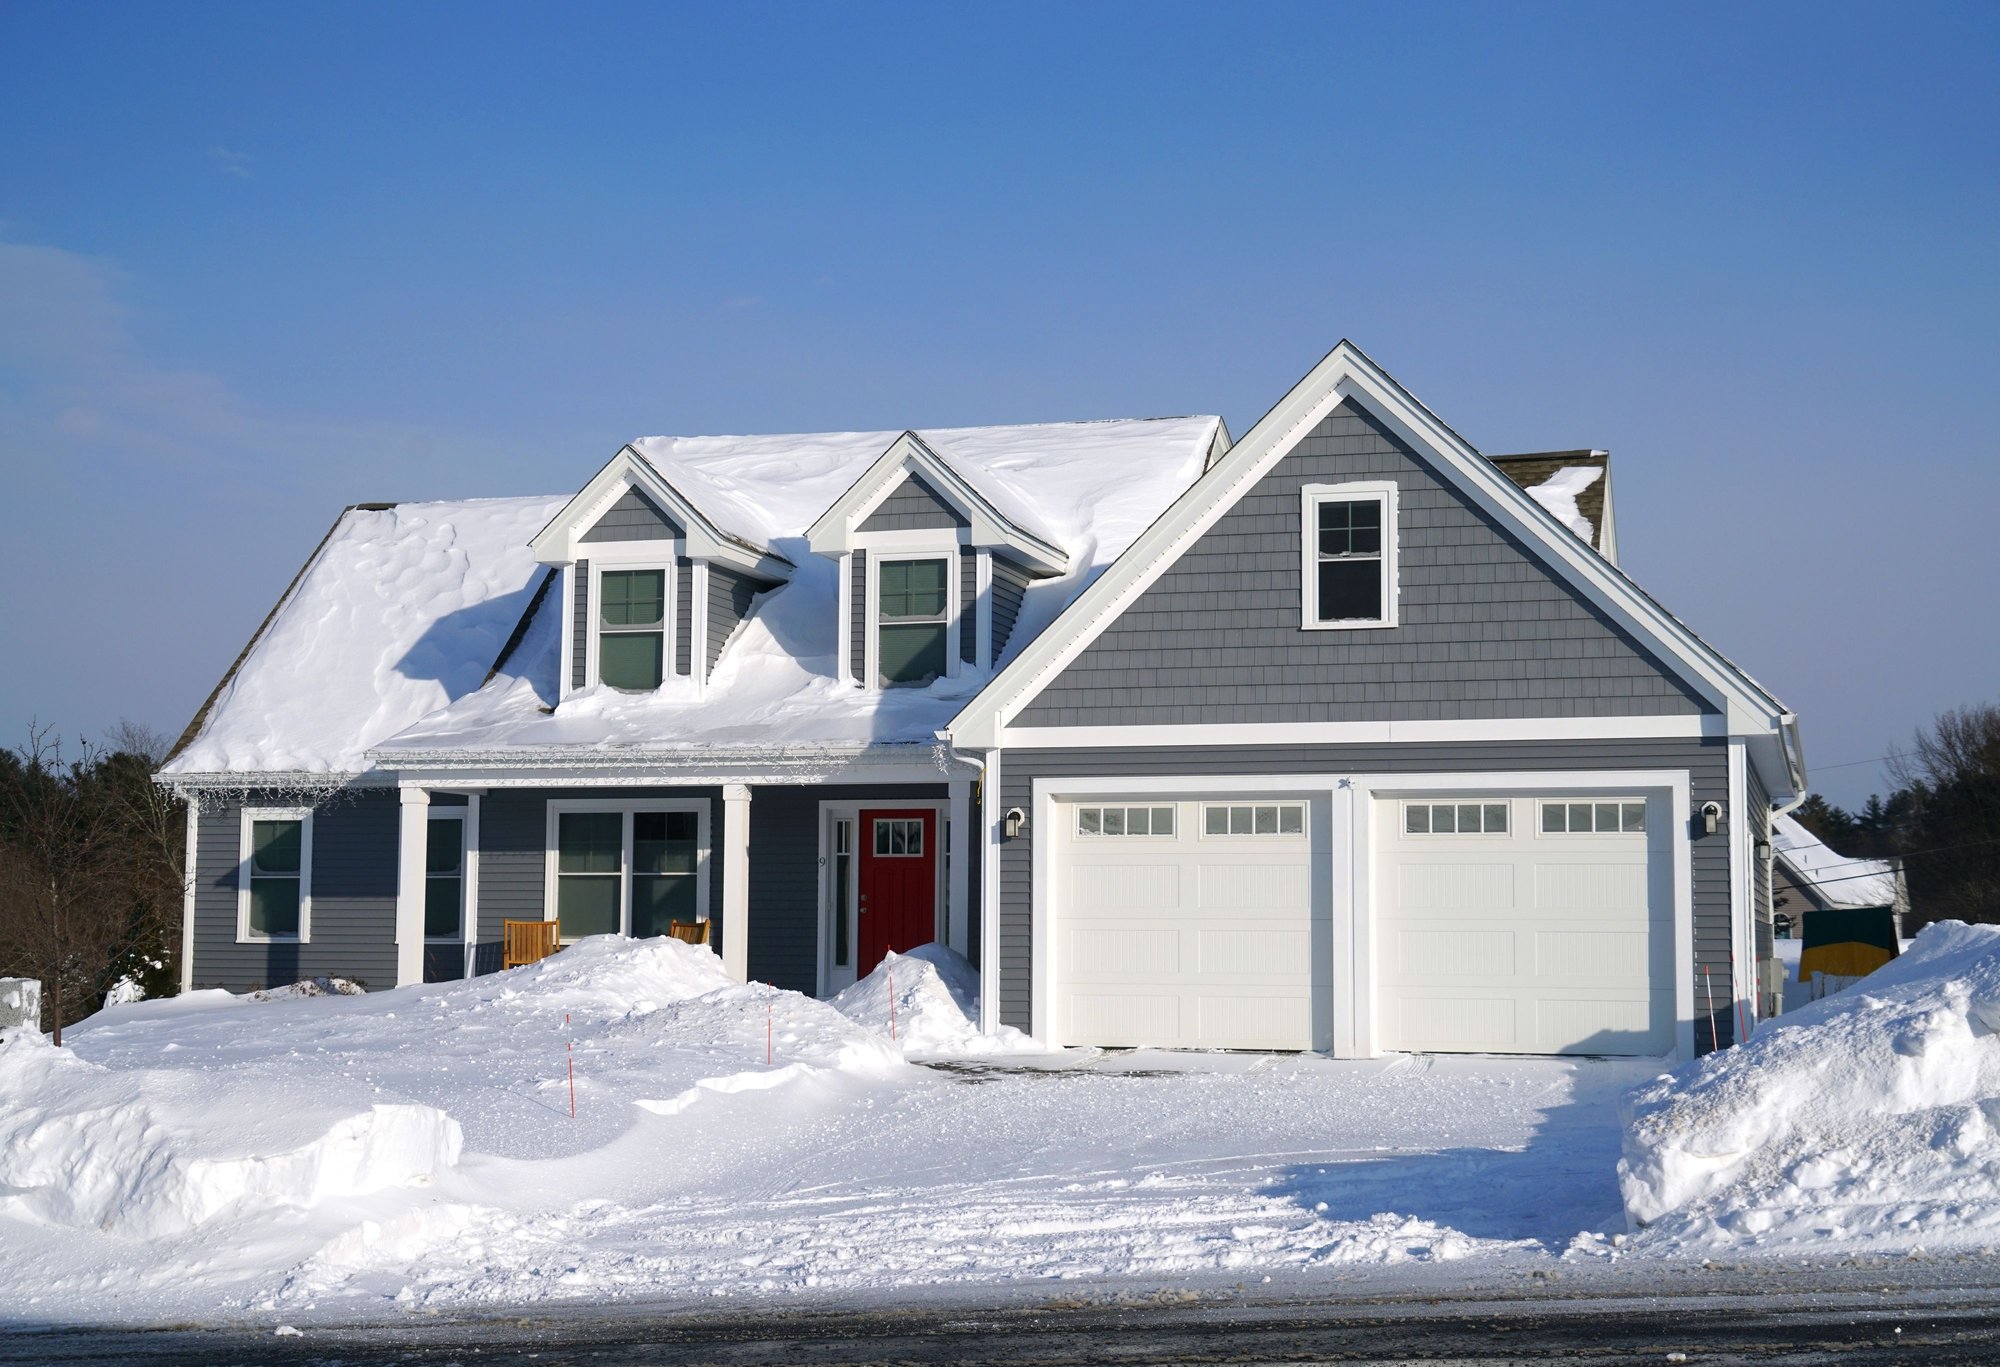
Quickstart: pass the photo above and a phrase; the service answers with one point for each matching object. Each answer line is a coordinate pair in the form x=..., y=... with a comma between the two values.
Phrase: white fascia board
x=1346, y=373
x=1362, y=732
x=836, y=531
x=560, y=542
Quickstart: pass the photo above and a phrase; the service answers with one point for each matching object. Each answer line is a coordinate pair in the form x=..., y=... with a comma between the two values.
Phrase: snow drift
x=927, y=1002
x=1870, y=1116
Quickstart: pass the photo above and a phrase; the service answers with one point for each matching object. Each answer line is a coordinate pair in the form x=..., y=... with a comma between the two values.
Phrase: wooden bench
x=689, y=932
x=527, y=942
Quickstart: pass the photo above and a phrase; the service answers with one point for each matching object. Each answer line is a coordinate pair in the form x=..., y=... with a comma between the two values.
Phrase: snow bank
x=933, y=1009
x=1871, y=1116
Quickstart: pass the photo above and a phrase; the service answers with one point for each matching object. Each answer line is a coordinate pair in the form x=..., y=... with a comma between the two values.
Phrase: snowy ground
x=329, y=1157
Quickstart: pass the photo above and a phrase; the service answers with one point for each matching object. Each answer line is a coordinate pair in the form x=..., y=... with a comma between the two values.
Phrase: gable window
x=632, y=871
x=913, y=604
x=1348, y=555
x=632, y=637
x=274, y=879
x=444, y=877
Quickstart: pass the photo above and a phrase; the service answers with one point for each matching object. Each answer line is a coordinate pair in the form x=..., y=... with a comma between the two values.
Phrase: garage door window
x=1594, y=818
x=1254, y=819
x=1455, y=818
x=1124, y=821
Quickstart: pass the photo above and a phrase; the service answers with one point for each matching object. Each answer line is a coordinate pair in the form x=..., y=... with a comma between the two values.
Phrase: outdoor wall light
x=1012, y=822
x=1711, y=817
x=1763, y=849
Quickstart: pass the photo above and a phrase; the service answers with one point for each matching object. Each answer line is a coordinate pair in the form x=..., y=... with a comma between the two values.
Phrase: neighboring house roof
x=1575, y=486
x=1833, y=878
x=402, y=609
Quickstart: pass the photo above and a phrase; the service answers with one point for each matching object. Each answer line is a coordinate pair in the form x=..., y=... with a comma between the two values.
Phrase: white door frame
x=1348, y=868
x=829, y=812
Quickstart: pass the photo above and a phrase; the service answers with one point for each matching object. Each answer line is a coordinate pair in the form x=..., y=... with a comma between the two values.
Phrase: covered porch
x=803, y=872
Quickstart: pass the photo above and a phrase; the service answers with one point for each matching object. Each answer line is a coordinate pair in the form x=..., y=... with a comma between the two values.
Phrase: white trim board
x=1351, y=796
x=1345, y=373
x=1364, y=732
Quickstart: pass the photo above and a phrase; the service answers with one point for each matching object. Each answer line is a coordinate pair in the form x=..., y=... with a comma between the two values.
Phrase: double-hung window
x=631, y=635
x=274, y=875
x=913, y=605
x=626, y=871
x=1348, y=555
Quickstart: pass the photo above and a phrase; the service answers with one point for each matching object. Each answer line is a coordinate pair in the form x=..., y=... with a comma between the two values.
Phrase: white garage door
x=1524, y=925
x=1189, y=924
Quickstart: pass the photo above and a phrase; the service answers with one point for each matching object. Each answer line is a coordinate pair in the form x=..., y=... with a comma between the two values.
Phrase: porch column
x=736, y=880
x=412, y=846
x=958, y=915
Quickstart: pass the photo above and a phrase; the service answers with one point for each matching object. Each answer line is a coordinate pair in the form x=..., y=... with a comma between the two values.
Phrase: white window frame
x=627, y=807
x=1268, y=837
x=1078, y=832
x=646, y=558
x=882, y=546
x=1593, y=800
x=1482, y=834
x=250, y=816
x=460, y=815
x=1311, y=496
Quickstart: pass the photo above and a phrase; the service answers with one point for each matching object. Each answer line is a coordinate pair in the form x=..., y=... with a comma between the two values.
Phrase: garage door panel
x=1594, y=887
x=1609, y=956
x=1598, y=1025
x=1253, y=887
x=1247, y=1021
x=1260, y=953
x=1123, y=953
x=1124, y=1018
x=1124, y=886
x=1455, y=1022
x=1455, y=952
x=1443, y=884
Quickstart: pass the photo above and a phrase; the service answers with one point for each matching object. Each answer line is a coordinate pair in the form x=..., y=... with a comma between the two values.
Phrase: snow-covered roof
x=389, y=638
x=1836, y=879
x=1093, y=485
x=401, y=611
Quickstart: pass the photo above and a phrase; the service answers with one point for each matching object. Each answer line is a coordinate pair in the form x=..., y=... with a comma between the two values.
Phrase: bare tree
x=1951, y=779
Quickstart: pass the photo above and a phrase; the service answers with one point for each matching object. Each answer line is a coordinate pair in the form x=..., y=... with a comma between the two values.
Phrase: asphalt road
x=1881, y=1327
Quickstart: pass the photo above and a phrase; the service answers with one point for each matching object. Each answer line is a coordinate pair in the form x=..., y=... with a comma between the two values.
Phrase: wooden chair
x=689, y=932
x=527, y=942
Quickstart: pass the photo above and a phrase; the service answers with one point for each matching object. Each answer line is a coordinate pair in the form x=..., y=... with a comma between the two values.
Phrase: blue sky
x=260, y=261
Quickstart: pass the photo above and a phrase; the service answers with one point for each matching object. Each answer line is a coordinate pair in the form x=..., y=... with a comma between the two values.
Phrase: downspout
x=989, y=882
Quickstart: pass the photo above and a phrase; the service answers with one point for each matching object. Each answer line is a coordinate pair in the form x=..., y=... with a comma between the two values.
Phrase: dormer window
x=1348, y=556
x=913, y=602
x=632, y=629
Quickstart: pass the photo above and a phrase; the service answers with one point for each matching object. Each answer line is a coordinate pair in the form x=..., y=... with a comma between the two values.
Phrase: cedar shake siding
x=634, y=517
x=912, y=507
x=1486, y=628
x=729, y=595
x=857, y=617
x=579, y=622
x=1010, y=584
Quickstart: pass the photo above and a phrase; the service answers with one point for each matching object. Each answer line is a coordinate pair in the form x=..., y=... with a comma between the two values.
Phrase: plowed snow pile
x=927, y=1003
x=1871, y=1118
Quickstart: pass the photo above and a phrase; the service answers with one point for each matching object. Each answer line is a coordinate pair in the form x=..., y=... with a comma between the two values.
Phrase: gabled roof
x=1833, y=878
x=707, y=537
x=998, y=513
x=401, y=610
x=1346, y=373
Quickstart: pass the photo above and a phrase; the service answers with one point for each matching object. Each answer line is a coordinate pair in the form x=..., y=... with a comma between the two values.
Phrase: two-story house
x=1342, y=736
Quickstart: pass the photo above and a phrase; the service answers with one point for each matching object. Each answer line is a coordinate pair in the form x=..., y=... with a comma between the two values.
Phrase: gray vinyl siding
x=353, y=891
x=513, y=836
x=634, y=517
x=683, y=615
x=968, y=604
x=579, y=623
x=913, y=507
x=1487, y=629
x=1705, y=760
x=729, y=595
x=1010, y=584
x=857, y=618
x=1760, y=835
x=785, y=874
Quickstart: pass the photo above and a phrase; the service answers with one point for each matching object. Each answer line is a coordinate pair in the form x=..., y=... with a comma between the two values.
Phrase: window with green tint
x=665, y=849
x=912, y=604
x=631, y=637
x=276, y=873
x=590, y=858
x=444, y=879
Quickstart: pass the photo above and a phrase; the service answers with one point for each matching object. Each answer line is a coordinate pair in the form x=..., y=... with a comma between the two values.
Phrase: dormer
x=935, y=558
x=653, y=587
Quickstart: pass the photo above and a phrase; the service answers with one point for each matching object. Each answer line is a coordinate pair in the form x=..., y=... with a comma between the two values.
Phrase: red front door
x=898, y=883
